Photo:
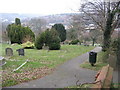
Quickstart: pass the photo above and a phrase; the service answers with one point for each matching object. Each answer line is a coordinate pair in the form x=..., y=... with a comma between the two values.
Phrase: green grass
x=37, y=59
x=99, y=63
x=85, y=86
x=96, y=67
x=9, y=82
x=115, y=85
x=52, y=58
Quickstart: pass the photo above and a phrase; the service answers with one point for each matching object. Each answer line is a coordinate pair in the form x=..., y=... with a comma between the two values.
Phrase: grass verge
x=99, y=64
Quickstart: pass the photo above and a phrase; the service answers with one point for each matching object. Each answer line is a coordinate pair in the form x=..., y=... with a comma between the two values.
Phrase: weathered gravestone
x=21, y=52
x=45, y=47
x=9, y=51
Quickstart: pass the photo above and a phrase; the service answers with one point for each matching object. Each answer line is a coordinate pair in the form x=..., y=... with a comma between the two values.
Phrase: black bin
x=21, y=52
x=92, y=58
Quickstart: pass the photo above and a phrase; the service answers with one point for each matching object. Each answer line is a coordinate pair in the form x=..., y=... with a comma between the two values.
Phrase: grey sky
x=39, y=6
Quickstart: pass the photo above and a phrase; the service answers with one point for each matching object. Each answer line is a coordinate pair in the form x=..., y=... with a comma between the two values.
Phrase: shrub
x=17, y=33
x=50, y=38
x=27, y=38
x=28, y=35
x=114, y=44
x=73, y=42
x=40, y=41
x=55, y=44
x=28, y=45
x=61, y=31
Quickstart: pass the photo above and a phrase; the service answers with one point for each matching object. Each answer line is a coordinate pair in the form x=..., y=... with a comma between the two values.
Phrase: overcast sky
x=39, y=6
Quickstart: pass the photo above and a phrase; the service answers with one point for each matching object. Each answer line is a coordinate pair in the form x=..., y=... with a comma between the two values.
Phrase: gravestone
x=21, y=52
x=45, y=48
x=78, y=43
x=9, y=51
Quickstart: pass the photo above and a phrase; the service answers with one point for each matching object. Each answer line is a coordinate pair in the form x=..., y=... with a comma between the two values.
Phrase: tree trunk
x=93, y=41
x=109, y=28
x=108, y=32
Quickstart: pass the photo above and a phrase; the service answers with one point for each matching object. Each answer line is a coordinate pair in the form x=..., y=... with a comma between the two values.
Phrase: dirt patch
x=27, y=75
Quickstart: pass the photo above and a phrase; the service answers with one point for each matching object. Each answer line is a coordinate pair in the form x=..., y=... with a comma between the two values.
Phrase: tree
x=28, y=34
x=54, y=41
x=48, y=38
x=61, y=31
x=39, y=42
x=72, y=34
x=37, y=25
x=3, y=31
x=102, y=14
x=18, y=33
x=78, y=25
x=94, y=35
x=17, y=21
x=110, y=25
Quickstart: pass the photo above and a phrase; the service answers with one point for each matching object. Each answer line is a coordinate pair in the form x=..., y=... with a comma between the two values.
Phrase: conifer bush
x=48, y=38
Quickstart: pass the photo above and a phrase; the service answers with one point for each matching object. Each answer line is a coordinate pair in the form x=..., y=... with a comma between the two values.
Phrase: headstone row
x=9, y=52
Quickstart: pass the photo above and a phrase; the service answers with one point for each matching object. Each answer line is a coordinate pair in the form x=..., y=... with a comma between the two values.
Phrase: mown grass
x=85, y=86
x=115, y=85
x=37, y=59
x=99, y=63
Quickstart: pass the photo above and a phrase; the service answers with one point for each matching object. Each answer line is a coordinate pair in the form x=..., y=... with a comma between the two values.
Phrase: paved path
x=65, y=75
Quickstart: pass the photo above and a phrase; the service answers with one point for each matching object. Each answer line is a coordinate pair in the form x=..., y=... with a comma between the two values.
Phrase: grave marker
x=9, y=51
x=21, y=52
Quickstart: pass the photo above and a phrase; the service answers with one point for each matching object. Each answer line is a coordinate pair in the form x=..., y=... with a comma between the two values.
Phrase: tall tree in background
x=72, y=34
x=77, y=26
x=17, y=21
x=37, y=25
x=61, y=31
x=94, y=35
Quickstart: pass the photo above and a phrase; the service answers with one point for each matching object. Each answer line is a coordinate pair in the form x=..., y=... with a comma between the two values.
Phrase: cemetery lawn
x=40, y=62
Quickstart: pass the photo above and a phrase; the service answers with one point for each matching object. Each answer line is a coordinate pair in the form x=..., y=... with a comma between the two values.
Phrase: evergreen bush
x=17, y=33
x=48, y=38
x=39, y=42
x=73, y=42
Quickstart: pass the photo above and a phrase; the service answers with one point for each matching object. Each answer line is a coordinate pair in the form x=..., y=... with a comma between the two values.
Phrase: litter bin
x=21, y=52
x=92, y=58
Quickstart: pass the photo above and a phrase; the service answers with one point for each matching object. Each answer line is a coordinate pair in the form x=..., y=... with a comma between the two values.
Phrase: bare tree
x=77, y=25
x=37, y=25
x=111, y=23
x=102, y=15
x=95, y=13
